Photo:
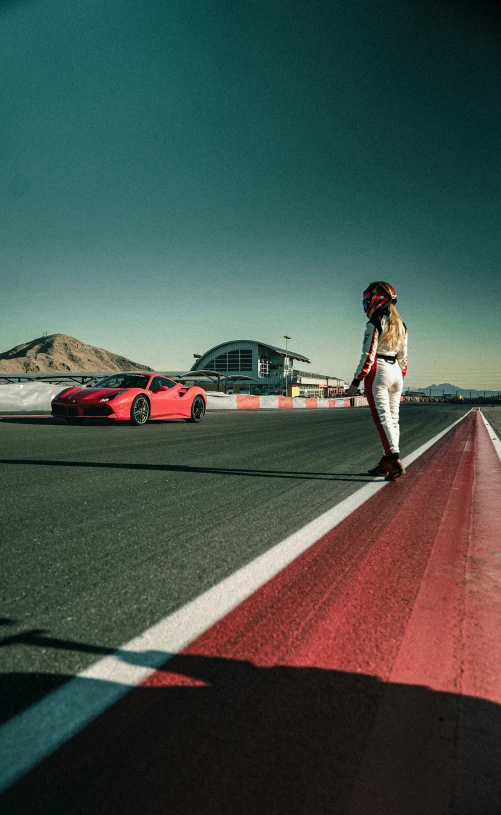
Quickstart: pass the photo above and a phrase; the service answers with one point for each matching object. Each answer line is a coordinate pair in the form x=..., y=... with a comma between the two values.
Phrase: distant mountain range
x=446, y=387
x=59, y=352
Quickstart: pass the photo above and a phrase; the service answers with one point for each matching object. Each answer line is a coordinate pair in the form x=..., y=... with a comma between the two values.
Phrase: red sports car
x=132, y=397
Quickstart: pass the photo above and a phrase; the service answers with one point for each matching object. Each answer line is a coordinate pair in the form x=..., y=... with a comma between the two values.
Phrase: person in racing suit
x=382, y=367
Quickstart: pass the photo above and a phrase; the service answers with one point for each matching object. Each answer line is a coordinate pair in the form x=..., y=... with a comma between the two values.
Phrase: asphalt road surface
x=352, y=669
x=107, y=529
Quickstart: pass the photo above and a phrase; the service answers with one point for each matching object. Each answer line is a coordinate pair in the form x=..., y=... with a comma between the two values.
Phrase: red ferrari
x=131, y=397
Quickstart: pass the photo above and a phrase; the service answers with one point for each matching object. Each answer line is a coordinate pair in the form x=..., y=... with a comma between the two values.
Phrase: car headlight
x=113, y=396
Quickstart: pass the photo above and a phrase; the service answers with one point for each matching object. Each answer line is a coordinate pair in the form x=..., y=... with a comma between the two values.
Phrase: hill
x=59, y=352
x=446, y=387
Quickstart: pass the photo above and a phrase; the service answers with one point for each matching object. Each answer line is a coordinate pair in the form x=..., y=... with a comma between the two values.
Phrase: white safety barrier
x=28, y=396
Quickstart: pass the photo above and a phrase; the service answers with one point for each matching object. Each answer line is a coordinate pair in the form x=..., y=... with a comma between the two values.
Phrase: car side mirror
x=161, y=389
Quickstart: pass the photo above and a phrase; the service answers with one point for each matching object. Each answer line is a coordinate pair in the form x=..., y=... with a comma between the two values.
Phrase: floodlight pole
x=286, y=362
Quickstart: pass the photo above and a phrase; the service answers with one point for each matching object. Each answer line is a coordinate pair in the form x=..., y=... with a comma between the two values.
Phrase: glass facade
x=232, y=361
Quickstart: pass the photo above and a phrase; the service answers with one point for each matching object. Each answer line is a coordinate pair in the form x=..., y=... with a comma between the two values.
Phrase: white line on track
x=494, y=437
x=35, y=733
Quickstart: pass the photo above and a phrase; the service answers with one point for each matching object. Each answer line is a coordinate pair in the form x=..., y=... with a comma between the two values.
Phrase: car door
x=164, y=397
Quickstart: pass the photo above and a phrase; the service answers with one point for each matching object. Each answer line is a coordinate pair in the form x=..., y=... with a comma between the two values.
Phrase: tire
x=140, y=411
x=197, y=410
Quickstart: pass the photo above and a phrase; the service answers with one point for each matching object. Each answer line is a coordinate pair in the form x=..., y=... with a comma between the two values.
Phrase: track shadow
x=16, y=695
x=220, y=736
x=44, y=420
x=185, y=468
x=5, y=419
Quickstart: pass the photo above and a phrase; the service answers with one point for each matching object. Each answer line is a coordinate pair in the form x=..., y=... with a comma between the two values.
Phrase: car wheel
x=197, y=410
x=140, y=411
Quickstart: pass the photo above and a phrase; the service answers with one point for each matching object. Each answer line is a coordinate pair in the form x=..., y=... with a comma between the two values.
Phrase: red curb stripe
x=482, y=641
x=452, y=644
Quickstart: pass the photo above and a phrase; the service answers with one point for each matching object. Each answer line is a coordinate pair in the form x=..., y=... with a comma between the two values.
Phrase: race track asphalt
x=493, y=416
x=107, y=529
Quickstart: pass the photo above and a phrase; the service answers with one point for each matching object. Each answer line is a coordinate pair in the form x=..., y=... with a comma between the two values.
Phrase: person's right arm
x=369, y=349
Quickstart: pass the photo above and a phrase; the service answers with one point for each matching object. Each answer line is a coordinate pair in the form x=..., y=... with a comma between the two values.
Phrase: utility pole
x=286, y=362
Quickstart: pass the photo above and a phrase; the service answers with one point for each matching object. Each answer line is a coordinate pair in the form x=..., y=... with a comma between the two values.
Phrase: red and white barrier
x=240, y=401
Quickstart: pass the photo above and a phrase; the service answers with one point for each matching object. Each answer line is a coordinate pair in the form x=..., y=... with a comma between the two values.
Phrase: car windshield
x=123, y=381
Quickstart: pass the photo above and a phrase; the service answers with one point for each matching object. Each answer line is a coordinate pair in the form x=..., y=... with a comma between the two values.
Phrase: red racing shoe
x=381, y=468
x=395, y=470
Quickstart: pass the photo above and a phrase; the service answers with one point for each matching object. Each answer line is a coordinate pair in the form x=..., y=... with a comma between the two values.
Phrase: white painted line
x=34, y=734
x=494, y=437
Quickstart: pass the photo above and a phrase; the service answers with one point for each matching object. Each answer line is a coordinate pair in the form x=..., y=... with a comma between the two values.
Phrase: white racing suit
x=383, y=369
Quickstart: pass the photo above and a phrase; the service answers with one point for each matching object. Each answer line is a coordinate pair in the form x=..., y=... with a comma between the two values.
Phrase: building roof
x=281, y=351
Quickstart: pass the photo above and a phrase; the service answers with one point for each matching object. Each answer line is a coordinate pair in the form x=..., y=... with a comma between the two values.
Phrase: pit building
x=266, y=369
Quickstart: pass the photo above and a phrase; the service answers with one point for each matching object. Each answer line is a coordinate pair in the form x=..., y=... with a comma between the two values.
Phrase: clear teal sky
x=178, y=174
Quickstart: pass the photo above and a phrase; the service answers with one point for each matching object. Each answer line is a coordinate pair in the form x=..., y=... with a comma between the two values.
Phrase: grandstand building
x=265, y=369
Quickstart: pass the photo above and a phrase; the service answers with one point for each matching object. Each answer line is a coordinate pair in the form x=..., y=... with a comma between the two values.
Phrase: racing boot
x=395, y=469
x=381, y=468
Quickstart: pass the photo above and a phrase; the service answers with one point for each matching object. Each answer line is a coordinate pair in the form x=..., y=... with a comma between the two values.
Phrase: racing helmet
x=376, y=296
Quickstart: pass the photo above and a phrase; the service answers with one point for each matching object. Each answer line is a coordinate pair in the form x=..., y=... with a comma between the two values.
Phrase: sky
x=177, y=174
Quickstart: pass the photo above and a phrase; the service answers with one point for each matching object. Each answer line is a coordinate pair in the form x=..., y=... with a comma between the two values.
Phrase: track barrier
x=38, y=395
x=241, y=401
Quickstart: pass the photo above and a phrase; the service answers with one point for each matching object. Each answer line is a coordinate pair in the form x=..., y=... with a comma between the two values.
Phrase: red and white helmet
x=377, y=295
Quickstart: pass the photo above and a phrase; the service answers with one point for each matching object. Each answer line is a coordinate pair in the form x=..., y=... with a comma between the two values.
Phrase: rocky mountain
x=59, y=352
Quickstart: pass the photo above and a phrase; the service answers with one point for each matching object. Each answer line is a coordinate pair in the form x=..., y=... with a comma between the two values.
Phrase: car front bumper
x=63, y=411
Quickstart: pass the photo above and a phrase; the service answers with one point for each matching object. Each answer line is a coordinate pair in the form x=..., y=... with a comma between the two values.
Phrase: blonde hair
x=394, y=330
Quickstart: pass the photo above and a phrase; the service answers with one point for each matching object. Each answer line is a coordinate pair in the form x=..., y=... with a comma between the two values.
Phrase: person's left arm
x=402, y=356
